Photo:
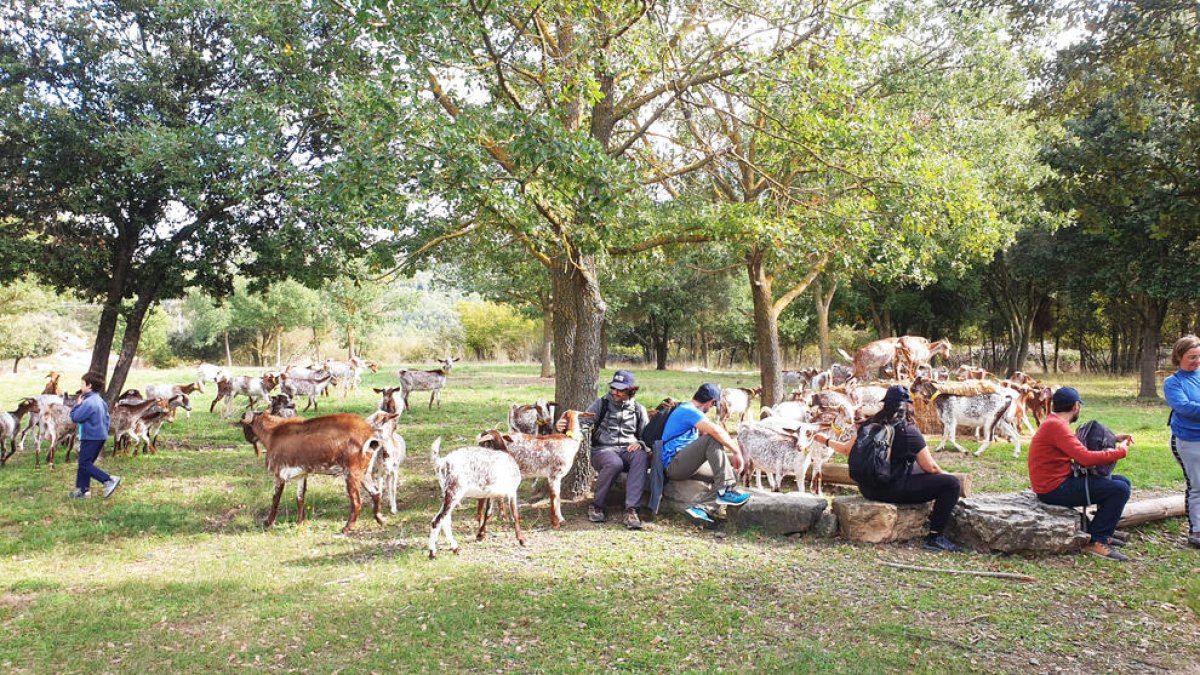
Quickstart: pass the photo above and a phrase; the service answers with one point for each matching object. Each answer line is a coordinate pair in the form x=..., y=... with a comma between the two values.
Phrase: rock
x=1015, y=522
x=680, y=494
x=827, y=526
x=778, y=512
x=860, y=519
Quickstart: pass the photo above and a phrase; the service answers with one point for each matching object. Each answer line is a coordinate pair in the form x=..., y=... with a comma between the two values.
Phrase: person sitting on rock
x=1051, y=453
x=915, y=477
x=694, y=448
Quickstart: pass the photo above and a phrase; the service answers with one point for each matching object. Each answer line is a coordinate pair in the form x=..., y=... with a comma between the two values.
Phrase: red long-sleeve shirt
x=1051, y=451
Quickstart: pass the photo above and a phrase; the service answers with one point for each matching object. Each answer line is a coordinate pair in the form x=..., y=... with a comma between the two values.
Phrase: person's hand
x=633, y=447
x=736, y=461
x=821, y=438
x=561, y=425
x=1125, y=438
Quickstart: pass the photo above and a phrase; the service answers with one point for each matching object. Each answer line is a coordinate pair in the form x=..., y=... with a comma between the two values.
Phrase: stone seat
x=860, y=519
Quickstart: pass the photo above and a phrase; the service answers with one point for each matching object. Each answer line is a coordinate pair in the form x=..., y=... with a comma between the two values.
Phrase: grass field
x=175, y=571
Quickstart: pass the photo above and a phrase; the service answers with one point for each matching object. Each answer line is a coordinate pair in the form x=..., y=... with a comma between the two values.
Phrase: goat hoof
x=456, y=550
x=521, y=541
x=480, y=536
x=432, y=555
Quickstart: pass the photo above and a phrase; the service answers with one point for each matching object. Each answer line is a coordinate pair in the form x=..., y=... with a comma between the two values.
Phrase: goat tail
x=844, y=354
x=435, y=450
x=765, y=412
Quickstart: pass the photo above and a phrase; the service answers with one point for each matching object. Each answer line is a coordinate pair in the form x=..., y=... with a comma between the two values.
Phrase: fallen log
x=839, y=474
x=1148, y=510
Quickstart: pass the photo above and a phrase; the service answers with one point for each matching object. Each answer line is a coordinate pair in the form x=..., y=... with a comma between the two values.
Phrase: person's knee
x=639, y=461
x=607, y=462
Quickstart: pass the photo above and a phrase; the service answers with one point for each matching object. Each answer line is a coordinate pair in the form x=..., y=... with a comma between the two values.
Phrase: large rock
x=860, y=519
x=778, y=512
x=1015, y=522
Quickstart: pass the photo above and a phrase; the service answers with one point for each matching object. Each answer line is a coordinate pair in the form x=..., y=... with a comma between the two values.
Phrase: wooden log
x=839, y=474
x=1148, y=510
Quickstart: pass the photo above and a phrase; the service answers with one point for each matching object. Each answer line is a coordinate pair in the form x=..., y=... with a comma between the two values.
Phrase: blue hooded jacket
x=92, y=417
x=1182, y=391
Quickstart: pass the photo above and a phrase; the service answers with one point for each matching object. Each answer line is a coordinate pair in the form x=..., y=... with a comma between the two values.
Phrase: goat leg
x=352, y=488
x=482, y=510
x=556, y=518
x=301, y=491
x=376, y=497
x=274, y=503
x=442, y=521
x=512, y=506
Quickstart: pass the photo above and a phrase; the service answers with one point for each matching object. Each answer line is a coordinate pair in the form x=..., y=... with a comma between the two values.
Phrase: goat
x=867, y=400
x=56, y=427
x=1040, y=404
x=154, y=424
x=283, y=406
x=801, y=378
x=966, y=372
x=832, y=409
x=791, y=410
x=10, y=423
x=349, y=372
x=130, y=423
x=169, y=391
x=990, y=411
x=477, y=473
x=548, y=457
x=536, y=419
x=386, y=469
x=778, y=448
x=341, y=445
x=52, y=387
x=431, y=381
x=914, y=352
x=208, y=372
x=311, y=388
x=873, y=356
x=735, y=402
x=253, y=388
x=33, y=406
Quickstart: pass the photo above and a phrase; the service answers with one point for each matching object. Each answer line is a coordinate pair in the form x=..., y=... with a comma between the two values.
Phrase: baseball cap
x=707, y=392
x=622, y=379
x=897, y=393
x=1065, y=398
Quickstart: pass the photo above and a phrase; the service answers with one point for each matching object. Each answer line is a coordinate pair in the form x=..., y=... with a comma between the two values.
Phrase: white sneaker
x=111, y=485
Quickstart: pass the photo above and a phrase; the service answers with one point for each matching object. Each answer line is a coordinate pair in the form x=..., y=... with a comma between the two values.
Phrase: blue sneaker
x=699, y=516
x=731, y=497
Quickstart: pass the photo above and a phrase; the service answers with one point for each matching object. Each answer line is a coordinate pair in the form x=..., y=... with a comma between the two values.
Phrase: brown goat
x=52, y=387
x=340, y=444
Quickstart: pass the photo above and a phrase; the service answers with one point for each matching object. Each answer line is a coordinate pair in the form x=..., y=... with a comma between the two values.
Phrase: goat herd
x=367, y=452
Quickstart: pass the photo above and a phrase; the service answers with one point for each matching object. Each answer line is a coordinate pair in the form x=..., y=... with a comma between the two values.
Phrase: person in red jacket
x=1053, y=448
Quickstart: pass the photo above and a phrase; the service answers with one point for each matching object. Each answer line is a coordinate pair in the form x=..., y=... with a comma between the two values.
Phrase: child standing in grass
x=91, y=414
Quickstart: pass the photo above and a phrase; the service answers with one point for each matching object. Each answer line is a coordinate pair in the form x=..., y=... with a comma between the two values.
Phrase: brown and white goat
x=386, y=469
x=130, y=423
x=536, y=419
x=52, y=387
x=548, y=457
x=55, y=427
x=431, y=381
x=473, y=472
x=309, y=387
x=735, y=403
x=167, y=392
x=252, y=387
x=392, y=400
x=340, y=445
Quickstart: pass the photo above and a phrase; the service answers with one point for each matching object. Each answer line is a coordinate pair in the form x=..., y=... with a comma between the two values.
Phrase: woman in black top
x=917, y=478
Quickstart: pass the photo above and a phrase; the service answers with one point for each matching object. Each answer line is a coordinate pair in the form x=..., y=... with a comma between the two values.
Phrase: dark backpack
x=1097, y=438
x=654, y=428
x=871, y=456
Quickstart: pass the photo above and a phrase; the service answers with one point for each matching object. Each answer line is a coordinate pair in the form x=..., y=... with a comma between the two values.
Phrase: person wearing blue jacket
x=1182, y=391
x=91, y=414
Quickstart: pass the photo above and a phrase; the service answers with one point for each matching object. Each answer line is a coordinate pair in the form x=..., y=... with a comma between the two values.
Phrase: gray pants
x=1188, y=454
x=703, y=459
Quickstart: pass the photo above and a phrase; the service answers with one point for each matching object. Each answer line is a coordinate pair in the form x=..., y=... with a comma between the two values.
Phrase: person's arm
x=643, y=418
x=585, y=423
x=705, y=426
x=81, y=412
x=840, y=447
x=926, y=462
x=1177, y=398
x=1071, y=447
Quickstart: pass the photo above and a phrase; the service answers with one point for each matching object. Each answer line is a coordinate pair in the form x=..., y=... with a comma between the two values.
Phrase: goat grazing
x=548, y=457
x=536, y=419
x=339, y=445
x=168, y=391
x=253, y=388
x=735, y=403
x=431, y=381
x=473, y=473
x=309, y=387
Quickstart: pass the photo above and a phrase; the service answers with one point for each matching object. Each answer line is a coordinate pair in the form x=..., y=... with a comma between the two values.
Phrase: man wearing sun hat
x=1051, y=453
x=615, y=447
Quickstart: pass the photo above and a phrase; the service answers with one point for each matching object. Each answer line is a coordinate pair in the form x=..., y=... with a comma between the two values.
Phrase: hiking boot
x=596, y=514
x=78, y=494
x=1113, y=542
x=939, y=542
x=731, y=497
x=632, y=522
x=111, y=485
x=1104, y=551
x=699, y=516
x=1194, y=540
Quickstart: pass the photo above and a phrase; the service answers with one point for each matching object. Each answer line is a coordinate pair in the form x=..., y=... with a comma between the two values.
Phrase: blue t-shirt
x=680, y=430
x=1182, y=391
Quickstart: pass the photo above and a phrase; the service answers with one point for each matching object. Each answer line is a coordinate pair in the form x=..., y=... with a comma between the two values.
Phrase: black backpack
x=1097, y=438
x=871, y=456
x=653, y=430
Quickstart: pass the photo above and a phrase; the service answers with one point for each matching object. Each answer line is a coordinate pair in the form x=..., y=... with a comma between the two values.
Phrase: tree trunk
x=766, y=330
x=279, y=349
x=547, y=342
x=228, y=353
x=349, y=340
x=129, y=344
x=579, y=313
x=1153, y=313
x=16, y=362
x=824, y=300
x=662, y=341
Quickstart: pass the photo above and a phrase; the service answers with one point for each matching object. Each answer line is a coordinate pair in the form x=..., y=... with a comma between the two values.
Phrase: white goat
x=777, y=447
x=431, y=381
x=735, y=403
x=386, y=469
x=475, y=473
x=309, y=387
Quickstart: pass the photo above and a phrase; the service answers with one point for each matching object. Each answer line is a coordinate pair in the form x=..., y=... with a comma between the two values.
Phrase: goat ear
x=378, y=391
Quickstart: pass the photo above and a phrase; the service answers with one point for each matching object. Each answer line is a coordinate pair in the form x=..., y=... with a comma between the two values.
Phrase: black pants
x=942, y=488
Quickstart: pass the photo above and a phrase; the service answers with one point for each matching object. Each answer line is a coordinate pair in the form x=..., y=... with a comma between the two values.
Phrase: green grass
x=175, y=572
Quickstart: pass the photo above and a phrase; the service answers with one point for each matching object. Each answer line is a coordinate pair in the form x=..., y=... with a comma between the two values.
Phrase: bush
x=494, y=330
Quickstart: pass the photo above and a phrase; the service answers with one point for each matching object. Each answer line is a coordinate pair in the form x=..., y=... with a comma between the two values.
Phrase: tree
x=285, y=306
x=154, y=146
x=357, y=304
x=210, y=321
